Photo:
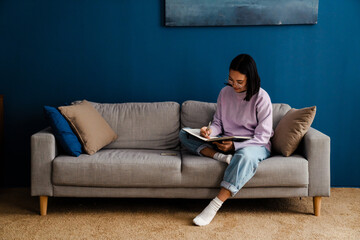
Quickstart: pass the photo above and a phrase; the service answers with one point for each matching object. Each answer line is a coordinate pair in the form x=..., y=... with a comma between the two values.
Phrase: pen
x=208, y=127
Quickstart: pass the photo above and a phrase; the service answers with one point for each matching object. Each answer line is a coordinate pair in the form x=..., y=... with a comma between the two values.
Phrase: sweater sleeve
x=216, y=124
x=263, y=131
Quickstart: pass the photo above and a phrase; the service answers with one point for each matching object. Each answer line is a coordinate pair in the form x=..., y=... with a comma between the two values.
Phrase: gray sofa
x=147, y=161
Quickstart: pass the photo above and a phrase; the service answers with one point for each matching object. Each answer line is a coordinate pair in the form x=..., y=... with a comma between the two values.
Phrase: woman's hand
x=225, y=146
x=205, y=132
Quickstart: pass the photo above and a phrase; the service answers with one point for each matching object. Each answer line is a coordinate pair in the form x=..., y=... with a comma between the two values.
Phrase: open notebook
x=196, y=133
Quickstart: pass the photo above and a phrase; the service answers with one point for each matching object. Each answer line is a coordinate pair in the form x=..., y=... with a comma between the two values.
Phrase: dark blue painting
x=240, y=12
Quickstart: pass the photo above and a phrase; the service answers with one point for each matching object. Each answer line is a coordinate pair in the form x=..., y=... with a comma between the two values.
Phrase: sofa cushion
x=291, y=129
x=143, y=125
x=196, y=114
x=93, y=131
x=62, y=131
x=119, y=168
x=276, y=171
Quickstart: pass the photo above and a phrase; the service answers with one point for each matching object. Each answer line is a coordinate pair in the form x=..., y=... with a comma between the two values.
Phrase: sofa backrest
x=156, y=125
x=197, y=114
x=279, y=110
x=142, y=125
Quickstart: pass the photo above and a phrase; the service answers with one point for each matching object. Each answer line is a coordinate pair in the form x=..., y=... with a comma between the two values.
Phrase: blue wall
x=53, y=52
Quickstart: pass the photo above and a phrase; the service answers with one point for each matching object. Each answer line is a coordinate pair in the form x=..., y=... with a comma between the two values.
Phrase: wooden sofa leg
x=317, y=205
x=43, y=205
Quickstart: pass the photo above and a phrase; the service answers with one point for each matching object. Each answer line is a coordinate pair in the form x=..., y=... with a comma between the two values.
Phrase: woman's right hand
x=205, y=132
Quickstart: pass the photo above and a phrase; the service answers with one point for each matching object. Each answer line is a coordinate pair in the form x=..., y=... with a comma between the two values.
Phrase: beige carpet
x=91, y=218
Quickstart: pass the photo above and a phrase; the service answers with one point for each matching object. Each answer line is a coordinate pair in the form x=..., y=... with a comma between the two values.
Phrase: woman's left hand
x=225, y=146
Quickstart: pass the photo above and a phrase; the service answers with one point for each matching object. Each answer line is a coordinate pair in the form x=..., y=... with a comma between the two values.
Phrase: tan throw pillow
x=291, y=129
x=92, y=129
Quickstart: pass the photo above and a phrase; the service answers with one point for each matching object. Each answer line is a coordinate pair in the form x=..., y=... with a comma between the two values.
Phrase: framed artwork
x=240, y=12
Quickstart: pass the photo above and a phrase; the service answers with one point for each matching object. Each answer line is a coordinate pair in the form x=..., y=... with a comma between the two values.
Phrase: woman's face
x=238, y=81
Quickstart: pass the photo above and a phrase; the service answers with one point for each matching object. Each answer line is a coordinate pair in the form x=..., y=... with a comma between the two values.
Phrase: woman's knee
x=245, y=157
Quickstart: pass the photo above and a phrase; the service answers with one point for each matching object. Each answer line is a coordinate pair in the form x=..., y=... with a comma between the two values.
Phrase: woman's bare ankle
x=224, y=194
x=208, y=152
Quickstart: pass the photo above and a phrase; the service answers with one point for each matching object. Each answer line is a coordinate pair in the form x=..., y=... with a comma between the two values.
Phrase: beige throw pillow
x=92, y=129
x=291, y=129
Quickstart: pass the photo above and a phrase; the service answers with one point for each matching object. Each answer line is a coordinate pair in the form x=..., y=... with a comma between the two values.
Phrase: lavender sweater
x=235, y=116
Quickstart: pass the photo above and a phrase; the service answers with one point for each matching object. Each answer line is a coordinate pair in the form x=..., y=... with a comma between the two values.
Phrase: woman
x=243, y=109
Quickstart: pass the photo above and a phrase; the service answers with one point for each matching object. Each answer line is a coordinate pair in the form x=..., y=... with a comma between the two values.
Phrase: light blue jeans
x=243, y=164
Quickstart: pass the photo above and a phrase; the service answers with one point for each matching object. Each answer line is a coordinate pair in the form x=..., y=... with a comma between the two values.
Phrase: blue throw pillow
x=62, y=131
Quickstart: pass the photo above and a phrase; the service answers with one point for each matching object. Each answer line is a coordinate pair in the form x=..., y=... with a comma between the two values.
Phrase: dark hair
x=246, y=65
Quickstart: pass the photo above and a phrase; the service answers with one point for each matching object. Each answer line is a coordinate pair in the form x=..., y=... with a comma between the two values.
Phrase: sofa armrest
x=43, y=152
x=316, y=149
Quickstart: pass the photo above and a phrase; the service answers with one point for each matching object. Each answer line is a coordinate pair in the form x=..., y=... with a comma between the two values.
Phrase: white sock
x=205, y=217
x=222, y=157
